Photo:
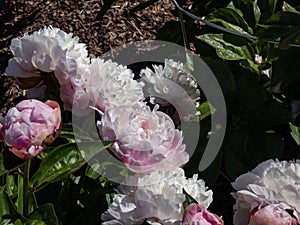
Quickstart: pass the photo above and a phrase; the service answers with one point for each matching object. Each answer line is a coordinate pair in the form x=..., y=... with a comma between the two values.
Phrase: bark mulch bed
x=124, y=22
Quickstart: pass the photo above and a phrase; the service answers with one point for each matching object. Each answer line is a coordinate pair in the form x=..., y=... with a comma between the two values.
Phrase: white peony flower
x=197, y=189
x=157, y=197
x=112, y=85
x=34, y=56
x=51, y=52
x=271, y=182
x=172, y=84
x=73, y=72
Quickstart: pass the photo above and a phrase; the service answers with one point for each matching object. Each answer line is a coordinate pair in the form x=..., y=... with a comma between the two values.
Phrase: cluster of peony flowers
x=269, y=194
x=158, y=199
x=146, y=140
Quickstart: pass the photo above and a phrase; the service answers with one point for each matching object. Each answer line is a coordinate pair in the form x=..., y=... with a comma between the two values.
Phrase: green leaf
x=43, y=215
x=288, y=8
x=20, y=195
x=170, y=31
x=248, y=10
x=188, y=199
x=250, y=65
x=206, y=110
x=231, y=19
x=267, y=8
x=18, y=222
x=2, y=168
x=295, y=132
x=64, y=160
x=227, y=46
x=284, y=44
x=229, y=25
x=5, y=222
x=11, y=186
x=92, y=171
x=4, y=203
x=256, y=12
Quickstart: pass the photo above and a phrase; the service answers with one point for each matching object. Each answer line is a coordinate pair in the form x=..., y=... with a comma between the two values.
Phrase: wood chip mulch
x=120, y=24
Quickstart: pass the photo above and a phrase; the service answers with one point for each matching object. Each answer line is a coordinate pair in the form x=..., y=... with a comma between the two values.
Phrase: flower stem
x=26, y=187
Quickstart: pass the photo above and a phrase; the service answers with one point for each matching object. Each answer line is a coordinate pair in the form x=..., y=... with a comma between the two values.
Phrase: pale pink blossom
x=271, y=182
x=196, y=214
x=273, y=214
x=30, y=126
x=144, y=140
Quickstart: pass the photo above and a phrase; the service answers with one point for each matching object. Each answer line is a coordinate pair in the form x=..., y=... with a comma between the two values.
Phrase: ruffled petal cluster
x=196, y=214
x=172, y=84
x=112, y=85
x=273, y=214
x=271, y=182
x=157, y=197
x=30, y=126
x=144, y=140
x=51, y=53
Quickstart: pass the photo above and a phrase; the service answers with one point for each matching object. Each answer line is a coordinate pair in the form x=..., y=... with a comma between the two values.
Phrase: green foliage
x=64, y=160
x=59, y=185
x=259, y=78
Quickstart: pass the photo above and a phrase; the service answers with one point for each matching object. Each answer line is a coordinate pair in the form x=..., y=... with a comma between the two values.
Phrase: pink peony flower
x=273, y=214
x=196, y=214
x=145, y=140
x=271, y=182
x=30, y=126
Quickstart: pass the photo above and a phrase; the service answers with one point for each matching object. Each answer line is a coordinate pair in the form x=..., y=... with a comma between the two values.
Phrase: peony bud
x=273, y=214
x=30, y=126
x=196, y=214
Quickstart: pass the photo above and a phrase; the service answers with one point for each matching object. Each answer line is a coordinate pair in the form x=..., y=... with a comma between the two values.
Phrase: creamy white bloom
x=157, y=197
x=112, y=85
x=172, y=84
x=197, y=189
x=51, y=52
x=73, y=72
x=33, y=56
x=271, y=182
